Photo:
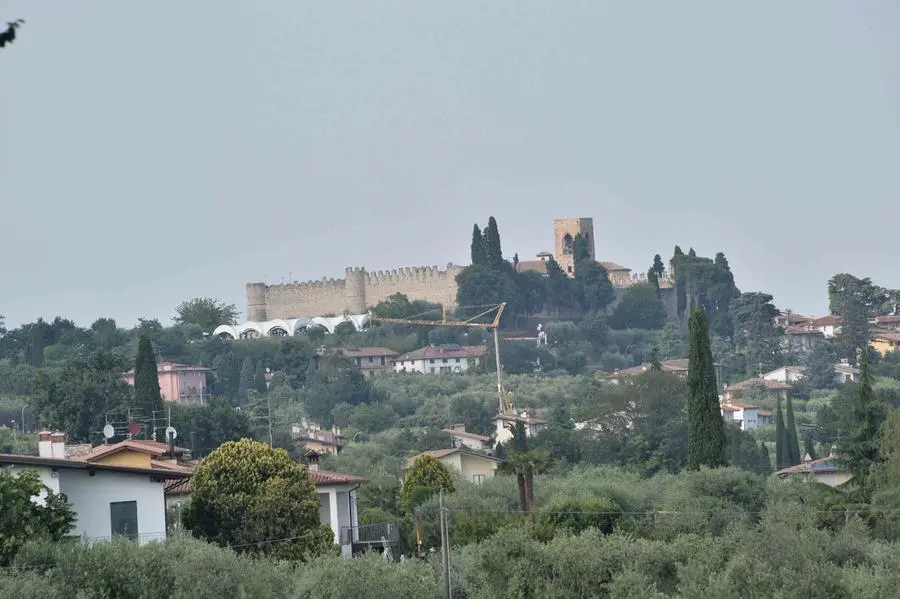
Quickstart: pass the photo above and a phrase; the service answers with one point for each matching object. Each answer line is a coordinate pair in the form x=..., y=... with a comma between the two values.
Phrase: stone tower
x=256, y=302
x=355, y=289
x=564, y=232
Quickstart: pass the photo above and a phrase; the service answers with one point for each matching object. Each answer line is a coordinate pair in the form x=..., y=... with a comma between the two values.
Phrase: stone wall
x=355, y=293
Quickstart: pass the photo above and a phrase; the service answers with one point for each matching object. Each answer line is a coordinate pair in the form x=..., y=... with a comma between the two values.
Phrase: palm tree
x=524, y=463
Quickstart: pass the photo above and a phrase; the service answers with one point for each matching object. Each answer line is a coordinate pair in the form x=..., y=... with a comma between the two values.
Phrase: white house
x=109, y=499
x=829, y=326
x=747, y=416
x=843, y=373
x=502, y=422
x=440, y=359
x=786, y=374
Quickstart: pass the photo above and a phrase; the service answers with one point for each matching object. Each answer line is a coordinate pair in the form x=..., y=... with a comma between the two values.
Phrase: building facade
x=180, y=383
x=440, y=359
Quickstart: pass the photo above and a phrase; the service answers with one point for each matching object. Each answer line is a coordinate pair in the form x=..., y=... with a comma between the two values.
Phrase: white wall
x=47, y=476
x=343, y=496
x=425, y=366
x=90, y=497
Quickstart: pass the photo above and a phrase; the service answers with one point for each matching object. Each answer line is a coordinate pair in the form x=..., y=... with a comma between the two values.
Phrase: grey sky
x=153, y=152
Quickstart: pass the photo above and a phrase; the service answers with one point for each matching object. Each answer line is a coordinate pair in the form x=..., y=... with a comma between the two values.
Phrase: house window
x=477, y=478
x=431, y=361
x=123, y=519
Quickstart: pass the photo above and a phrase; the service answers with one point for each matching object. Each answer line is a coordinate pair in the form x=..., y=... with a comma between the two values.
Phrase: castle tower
x=256, y=302
x=355, y=289
x=564, y=232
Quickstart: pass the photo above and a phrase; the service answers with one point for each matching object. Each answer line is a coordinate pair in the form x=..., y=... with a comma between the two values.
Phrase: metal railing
x=370, y=533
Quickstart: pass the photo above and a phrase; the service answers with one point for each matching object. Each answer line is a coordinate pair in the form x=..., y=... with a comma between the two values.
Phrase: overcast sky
x=151, y=152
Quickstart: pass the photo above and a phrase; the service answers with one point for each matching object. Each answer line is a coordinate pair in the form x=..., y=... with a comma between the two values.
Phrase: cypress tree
x=765, y=460
x=147, y=395
x=247, y=372
x=493, y=253
x=477, y=248
x=781, y=450
x=790, y=431
x=810, y=447
x=706, y=428
x=861, y=450
x=259, y=378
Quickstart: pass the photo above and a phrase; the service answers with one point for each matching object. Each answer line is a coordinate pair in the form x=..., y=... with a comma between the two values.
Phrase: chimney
x=45, y=447
x=312, y=459
x=58, y=445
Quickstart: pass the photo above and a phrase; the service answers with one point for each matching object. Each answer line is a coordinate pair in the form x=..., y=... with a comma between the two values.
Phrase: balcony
x=369, y=537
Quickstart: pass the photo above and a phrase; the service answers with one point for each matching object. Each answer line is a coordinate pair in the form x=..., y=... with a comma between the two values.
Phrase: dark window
x=123, y=518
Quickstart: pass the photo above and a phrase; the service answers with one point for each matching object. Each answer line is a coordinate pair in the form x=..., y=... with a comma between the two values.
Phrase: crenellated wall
x=355, y=293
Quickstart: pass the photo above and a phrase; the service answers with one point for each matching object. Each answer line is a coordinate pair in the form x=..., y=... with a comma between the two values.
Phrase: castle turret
x=256, y=302
x=355, y=289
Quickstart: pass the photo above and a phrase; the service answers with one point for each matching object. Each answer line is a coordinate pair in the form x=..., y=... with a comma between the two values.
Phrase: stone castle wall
x=355, y=293
x=359, y=290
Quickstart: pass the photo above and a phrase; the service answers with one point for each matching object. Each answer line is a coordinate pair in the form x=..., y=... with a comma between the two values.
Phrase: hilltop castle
x=359, y=289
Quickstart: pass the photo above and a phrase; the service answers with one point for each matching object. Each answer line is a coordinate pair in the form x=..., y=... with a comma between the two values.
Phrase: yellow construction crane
x=506, y=399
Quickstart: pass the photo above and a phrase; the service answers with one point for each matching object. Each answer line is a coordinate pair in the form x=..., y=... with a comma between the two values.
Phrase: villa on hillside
x=459, y=437
x=180, y=383
x=827, y=471
x=755, y=387
x=441, y=359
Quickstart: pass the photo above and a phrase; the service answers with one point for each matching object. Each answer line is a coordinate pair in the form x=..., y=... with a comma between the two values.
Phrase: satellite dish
x=108, y=431
x=171, y=433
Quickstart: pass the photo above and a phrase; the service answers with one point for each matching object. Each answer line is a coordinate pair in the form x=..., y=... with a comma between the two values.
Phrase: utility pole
x=445, y=546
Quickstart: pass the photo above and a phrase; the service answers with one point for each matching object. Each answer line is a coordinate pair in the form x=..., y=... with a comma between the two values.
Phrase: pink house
x=185, y=385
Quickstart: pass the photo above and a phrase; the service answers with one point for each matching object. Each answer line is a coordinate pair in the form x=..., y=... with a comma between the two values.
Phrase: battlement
x=355, y=293
x=416, y=273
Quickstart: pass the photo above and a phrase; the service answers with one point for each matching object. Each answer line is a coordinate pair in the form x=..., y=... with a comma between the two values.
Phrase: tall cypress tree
x=492, y=250
x=706, y=428
x=147, y=395
x=477, y=248
x=247, y=372
x=781, y=449
x=861, y=450
x=259, y=378
x=790, y=432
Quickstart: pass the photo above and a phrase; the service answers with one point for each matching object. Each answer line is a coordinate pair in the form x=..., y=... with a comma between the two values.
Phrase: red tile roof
x=366, y=352
x=154, y=448
x=826, y=321
x=319, y=478
x=465, y=435
x=433, y=352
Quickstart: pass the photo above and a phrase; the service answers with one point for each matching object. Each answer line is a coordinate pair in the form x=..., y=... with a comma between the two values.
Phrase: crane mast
x=505, y=399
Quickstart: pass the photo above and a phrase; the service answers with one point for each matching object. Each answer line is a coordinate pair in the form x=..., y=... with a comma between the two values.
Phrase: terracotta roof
x=444, y=351
x=737, y=405
x=764, y=413
x=185, y=486
x=888, y=336
x=81, y=464
x=154, y=448
x=678, y=365
x=890, y=319
x=756, y=383
x=826, y=321
x=366, y=352
x=176, y=367
x=465, y=435
x=325, y=477
x=610, y=266
x=824, y=465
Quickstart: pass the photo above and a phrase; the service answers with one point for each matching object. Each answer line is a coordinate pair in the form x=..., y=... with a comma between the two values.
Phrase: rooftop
x=367, y=352
x=442, y=453
x=447, y=350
